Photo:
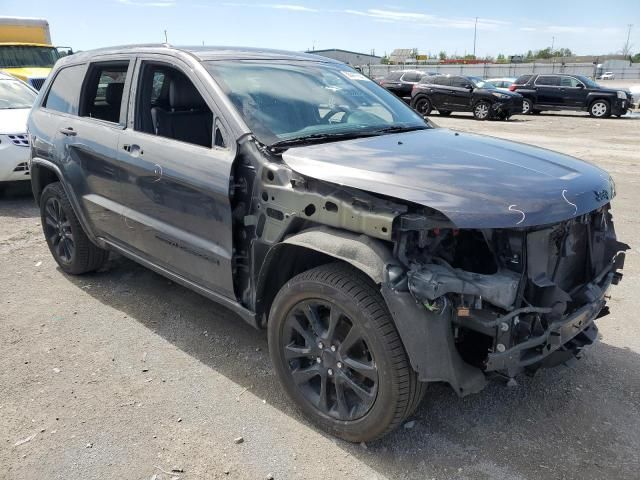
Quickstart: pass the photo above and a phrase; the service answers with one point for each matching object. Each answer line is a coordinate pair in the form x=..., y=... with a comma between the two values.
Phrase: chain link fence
x=497, y=70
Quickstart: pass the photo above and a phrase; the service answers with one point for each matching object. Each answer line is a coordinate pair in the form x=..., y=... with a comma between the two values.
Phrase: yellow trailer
x=26, y=51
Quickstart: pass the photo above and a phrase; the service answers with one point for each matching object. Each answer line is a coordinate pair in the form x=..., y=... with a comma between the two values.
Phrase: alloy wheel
x=526, y=107
x=329, y=360
x=58, y=230
x=482, y=111
x=599, y=109
x=423, y=106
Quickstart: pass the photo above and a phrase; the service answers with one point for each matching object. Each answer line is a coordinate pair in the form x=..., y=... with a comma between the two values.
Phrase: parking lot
x=123, y=374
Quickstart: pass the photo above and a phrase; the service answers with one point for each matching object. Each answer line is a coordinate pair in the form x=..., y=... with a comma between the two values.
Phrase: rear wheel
x=527, y=106
x=600, y=109
x=422, y=105
x=481, y=110
x=66, y=239
x=338, y=355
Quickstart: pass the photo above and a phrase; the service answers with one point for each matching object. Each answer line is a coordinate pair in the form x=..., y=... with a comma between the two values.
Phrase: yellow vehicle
x=26, y=51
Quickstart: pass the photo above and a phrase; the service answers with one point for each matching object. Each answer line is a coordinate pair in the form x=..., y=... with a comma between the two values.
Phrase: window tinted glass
x=63, y=94
x=569, y=82
x=459, y=82
x=548, y=80
x=282, y=102
x=444, y=81
x=412, y=76
x=103, y=91
x=522, y=79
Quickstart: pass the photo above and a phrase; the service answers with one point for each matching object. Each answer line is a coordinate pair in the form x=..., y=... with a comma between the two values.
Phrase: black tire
x=482, y=110
x=444, y=113
x=422, y=105
x=339, y=291
x=527, y=106
x=67, y=241
x=600, y=108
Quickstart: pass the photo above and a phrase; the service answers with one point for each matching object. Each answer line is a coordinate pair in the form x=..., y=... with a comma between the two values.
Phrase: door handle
x=68, y=131
x=133, y=149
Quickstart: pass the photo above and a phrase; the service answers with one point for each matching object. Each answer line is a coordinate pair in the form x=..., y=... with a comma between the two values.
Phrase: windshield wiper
x=319, y=138
x=399, y=129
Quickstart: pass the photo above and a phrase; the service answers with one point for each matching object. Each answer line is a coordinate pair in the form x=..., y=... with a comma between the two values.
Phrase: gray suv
x=380, y=252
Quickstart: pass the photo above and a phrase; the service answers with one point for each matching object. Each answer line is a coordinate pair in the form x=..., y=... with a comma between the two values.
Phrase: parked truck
x=26, y=50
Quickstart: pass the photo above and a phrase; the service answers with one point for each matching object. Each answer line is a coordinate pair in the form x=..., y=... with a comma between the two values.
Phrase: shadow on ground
x=564, y=421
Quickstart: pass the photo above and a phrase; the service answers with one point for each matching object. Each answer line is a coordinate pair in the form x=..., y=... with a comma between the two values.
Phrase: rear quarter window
x=64, y=91
x=522, y=79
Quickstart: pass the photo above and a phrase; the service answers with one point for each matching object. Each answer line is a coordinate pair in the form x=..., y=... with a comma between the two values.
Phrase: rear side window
x=412, y=76
x=548, y=80
x=103, y=91
x=444, y=81
x=522, y=79
x=394, y=76
x=63, y=94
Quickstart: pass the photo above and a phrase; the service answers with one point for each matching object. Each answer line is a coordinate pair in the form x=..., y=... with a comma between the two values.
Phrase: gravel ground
x=123, y=374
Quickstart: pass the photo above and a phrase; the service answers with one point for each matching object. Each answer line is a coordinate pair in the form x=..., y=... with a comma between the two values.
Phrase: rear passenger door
x=86, y=140
x=548, y=90
x=177, y=163
x=460, y=96
x=440, y=92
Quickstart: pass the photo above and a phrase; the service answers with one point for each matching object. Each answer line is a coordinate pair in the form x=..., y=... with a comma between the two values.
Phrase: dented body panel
x=476, y=181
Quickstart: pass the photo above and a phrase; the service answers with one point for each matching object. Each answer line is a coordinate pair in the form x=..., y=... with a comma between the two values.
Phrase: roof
x=202, y=53
x=343, y=51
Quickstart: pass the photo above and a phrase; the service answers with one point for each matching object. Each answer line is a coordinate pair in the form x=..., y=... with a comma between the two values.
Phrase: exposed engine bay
x=510, y=293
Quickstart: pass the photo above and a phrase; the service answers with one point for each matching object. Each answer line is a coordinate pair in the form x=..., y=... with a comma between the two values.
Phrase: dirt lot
x=123, y=374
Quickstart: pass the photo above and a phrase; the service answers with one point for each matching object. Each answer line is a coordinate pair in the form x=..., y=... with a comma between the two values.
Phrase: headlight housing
x=622, y=95
x=501, y=96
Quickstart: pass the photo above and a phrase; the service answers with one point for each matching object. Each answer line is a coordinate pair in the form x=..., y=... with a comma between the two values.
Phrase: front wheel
x=600, y=109
x=482, y=110
x=338, y=355
x=422, y=105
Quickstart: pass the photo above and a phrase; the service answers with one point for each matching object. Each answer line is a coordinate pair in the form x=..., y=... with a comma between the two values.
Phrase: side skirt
x=247, y=315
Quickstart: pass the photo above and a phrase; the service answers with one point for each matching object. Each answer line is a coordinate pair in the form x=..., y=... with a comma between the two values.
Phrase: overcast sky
x=503, y=27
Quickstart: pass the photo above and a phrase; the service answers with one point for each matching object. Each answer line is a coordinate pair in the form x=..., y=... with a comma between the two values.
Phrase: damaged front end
x=500, y=300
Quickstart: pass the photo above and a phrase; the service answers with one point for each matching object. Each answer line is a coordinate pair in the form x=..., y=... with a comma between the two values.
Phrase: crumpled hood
x=13, y=121
x=476, y=181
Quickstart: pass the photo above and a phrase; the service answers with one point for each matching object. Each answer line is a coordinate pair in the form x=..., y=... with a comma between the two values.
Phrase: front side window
x=103, y=91
x=412, y=77
x=460, y=82
x=302, y=100
x=16, y=56
x=15, y=94
x=63, y=94
x=169, y=105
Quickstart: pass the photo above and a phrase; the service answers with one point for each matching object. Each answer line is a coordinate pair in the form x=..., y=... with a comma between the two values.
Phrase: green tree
x=442, y=55
x=544, y=53
x=529, y=57
x=636, y=58
x=501, y=58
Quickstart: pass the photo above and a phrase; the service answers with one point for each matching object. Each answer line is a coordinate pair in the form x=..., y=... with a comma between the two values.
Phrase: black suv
x=464, y=94
x=570, y=92
x=401, y=82
x=379, y=252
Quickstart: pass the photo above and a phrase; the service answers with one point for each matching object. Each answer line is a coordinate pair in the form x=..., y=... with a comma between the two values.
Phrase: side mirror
x=468, y=86
x=581, y=85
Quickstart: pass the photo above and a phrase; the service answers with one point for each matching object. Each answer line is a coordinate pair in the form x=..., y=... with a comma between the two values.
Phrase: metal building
x=346, y=56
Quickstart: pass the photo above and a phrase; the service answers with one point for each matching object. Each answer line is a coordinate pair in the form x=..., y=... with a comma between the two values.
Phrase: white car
x=502, y=83
x=16, y=98
x=608, y=76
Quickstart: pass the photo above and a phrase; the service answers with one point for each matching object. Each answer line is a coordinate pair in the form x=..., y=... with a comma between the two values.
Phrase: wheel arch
x=43, y=173
x=312, y=248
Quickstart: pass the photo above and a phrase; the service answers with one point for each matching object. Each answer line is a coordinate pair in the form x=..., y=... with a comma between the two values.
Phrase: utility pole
x=475, y=34
x=165, y=37
x=627, y=46
x=553, y=41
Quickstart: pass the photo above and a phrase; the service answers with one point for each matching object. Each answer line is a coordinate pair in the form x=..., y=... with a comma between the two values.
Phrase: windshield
x=281, y=102
x=13, y=56
x=14, y=94
x=587, y=81
x=480, y=83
